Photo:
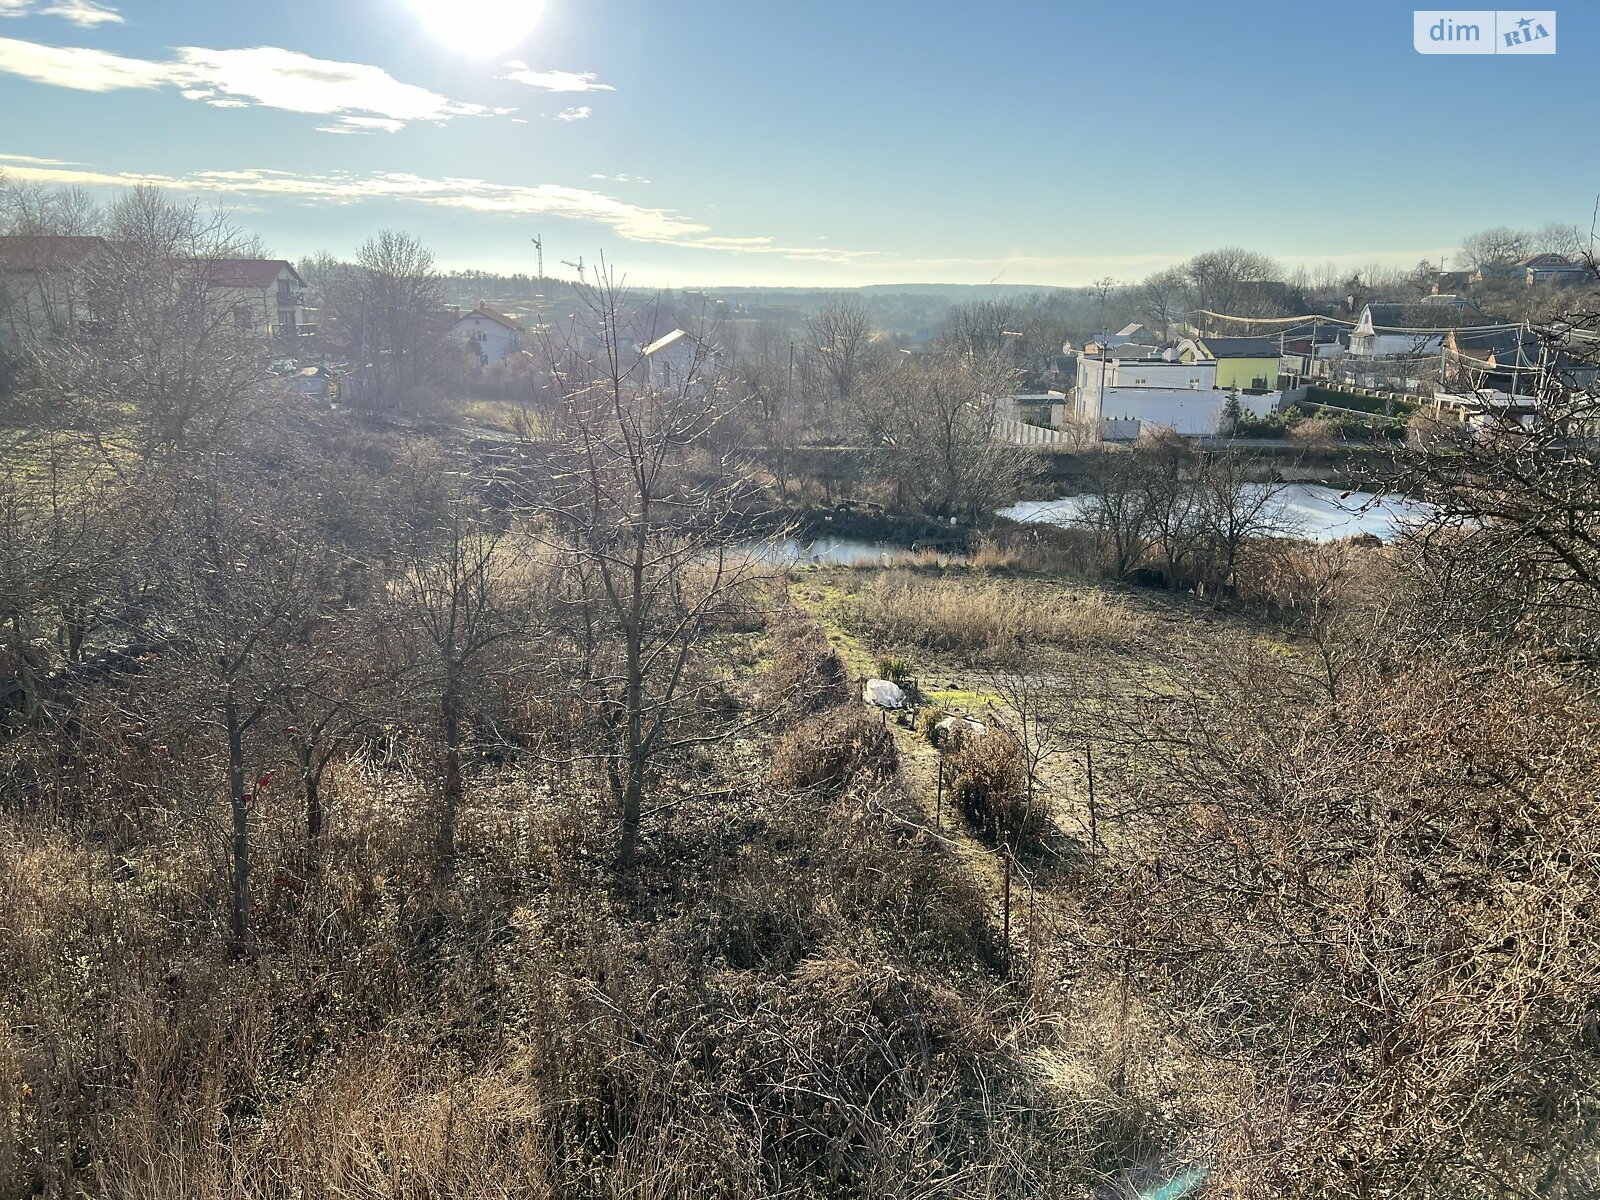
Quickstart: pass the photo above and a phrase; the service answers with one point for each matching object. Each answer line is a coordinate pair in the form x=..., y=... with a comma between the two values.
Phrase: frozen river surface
x=1308, y=510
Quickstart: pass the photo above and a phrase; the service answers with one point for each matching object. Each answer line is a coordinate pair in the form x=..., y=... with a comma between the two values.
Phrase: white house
x=492, y=336
x=267, y=295
x=1371, y=338
x=1125, y=396
x=676, y=358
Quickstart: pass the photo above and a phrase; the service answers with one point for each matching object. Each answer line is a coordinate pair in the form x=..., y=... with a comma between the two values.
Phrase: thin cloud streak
x=355, y=94
x=555, y=81
x=632, y=222
x=83, y=13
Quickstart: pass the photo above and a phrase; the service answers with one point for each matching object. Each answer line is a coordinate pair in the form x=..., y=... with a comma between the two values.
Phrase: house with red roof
x=42, y=284
x=267, y=295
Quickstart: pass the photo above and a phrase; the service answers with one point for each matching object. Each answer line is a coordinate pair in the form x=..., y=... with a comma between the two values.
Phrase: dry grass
x=973, y=613
x=793, y=997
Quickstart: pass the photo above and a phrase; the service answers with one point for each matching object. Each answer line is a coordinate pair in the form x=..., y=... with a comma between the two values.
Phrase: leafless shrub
x=834, y=750
x=806, y=674
x=990, y=774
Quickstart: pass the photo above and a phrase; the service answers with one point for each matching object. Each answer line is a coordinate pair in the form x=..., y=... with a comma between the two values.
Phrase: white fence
x=1020, y=433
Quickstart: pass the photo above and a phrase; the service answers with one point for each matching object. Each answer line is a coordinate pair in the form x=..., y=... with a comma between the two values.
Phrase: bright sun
x=478, y=27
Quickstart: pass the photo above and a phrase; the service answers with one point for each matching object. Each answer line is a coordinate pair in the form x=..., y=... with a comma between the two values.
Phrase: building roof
x=252, y=273
x=1507, y=347
x=1545, y=258
x=21, y=252
x=1239, y=347
x=666, y=342
x=484, y=312
x=1396, y=315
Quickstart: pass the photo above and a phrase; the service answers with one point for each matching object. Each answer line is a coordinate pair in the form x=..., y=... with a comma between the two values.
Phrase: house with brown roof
x=492, y=336
x=267, y=294
x=42, y=285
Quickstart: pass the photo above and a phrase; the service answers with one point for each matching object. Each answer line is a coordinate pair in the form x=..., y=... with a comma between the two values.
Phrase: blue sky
x=828, y=143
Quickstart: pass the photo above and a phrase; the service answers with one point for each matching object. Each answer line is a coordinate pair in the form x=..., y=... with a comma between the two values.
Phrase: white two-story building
x=266, y=294
x=492, y=336
x=1126, y=396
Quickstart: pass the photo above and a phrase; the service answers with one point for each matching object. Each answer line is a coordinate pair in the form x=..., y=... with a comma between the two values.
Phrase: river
x=1306, y=510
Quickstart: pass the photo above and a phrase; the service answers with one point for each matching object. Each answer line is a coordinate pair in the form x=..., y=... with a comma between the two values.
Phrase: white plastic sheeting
x=885, y=693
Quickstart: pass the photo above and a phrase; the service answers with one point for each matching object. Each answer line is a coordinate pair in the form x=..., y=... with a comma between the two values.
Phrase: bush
x=927, y=719
x=991, y=789
x=1275, y=424
x=889, y=667
x=834, y=750
x=806, y=674
x=1315, y=431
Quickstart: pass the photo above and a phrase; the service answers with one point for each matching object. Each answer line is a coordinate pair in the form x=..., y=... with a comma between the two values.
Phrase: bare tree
x=643, y=516
x=837, y=337
x=1227, y=280
x=168, y=363
x=1119, y=510
x=989, y=329
x=1159, y=297
x=931, y=422
x=462, y=590
x=242, y=574
x=387, y=311
x=1490, y=249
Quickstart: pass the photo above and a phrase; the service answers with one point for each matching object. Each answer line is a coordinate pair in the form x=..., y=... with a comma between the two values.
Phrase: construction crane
x=576, y=266
x=538, y=246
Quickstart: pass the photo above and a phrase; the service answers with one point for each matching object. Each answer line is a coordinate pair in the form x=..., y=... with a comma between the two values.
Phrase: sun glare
x=478, y=27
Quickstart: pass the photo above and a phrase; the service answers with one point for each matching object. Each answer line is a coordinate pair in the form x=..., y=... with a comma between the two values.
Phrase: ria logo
x=1484, y=31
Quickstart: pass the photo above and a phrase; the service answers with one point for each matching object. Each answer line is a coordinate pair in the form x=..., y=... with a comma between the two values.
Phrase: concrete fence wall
x=1020, y=433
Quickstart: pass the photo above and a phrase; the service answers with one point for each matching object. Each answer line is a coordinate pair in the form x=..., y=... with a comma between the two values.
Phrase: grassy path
x=919, y=760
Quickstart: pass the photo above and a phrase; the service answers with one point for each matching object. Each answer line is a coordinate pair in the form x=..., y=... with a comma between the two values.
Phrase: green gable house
x=1247, y=363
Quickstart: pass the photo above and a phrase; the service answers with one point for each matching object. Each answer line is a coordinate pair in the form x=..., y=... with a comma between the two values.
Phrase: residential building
x=1515, y=362
x=492, y=336
x=42, y=288
x=1536, y=269
x=1047, y=408
x=1462, y=307
x=1554, y=268
x=1246, y=363
x=1125, y=396
x=1387, y=330
x=267, y=295
x=677, y=358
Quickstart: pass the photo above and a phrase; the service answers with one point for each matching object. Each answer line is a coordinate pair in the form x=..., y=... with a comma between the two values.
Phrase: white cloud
x=356, y=94
x=556, y=81
x=581, y=113
x=83, y=13
x=81, y=69
x=619, y=178
x=31, y=161
x=364, y=125
x=633, y=222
